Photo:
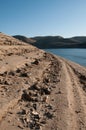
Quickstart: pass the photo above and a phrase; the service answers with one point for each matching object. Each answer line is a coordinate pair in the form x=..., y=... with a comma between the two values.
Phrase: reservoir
x=76, y=55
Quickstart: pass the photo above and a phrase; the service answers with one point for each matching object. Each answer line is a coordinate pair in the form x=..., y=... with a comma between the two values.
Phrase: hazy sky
x=43, y=17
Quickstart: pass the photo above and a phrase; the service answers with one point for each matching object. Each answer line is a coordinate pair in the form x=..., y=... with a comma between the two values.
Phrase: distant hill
x=79, y=38
x=45, y=42
x=24, y=39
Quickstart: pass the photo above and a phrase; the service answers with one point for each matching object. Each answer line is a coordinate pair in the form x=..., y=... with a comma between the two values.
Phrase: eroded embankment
x=40, y=91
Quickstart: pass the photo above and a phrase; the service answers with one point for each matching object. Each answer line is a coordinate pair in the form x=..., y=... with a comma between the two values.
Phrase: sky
x=31, y=18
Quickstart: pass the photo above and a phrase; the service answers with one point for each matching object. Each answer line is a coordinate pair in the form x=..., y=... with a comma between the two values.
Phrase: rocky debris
x=5, y=81
x=34, y=106
x=45, y=90
x=48, y=114
x=27, y=96
x=12, y=73
x=37, y=110
x=23, y=112
x=3, y=73
x=83, y=81
x=35, y=98
x=24, y=71
x=82, y=78
x=34, y=87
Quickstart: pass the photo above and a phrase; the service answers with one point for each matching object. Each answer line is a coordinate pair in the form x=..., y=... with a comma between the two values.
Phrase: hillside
x=38, y=90
x=55, y=41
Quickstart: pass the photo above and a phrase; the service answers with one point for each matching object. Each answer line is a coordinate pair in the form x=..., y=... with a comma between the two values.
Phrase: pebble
x=20, y=126
x=36, y=62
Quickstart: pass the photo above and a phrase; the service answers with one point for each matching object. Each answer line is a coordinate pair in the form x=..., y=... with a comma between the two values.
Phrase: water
x=76, y=55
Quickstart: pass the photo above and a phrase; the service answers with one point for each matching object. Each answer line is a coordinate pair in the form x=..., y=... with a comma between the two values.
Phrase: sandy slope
x=39, y=91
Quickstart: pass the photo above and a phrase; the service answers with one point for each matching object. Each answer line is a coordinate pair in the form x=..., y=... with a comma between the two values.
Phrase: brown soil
x=39, y=91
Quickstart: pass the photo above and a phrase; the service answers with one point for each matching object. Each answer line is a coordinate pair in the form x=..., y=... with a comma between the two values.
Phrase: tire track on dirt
x=71, y=115
x=77, y=94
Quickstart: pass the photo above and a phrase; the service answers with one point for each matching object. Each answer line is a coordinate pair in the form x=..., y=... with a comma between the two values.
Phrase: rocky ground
x=38, y=90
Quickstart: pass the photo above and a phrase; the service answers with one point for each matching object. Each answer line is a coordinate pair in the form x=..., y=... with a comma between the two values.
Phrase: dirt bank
x=39, y=91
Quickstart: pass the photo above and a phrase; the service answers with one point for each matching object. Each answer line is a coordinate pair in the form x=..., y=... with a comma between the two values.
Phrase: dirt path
x=76, y=100
x=72, y=118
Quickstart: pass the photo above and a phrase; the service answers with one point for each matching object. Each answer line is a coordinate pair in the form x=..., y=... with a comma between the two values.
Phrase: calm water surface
x=76, y=55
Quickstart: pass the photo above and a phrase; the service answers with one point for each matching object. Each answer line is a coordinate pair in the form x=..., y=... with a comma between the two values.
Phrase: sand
x=38, y=90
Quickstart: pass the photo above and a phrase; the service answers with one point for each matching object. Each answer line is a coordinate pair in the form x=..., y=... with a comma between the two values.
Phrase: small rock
x=46, y=80
x=77, y=111
x=48, y=115
x=59, y=92
x=10, y=112
x=26, y=64
x=45, y=90
x=28, y=96
x=7, y=82
x=23, y=112
x=36, y=115
x=11, y=73
x=27, y=120
x=20, y=126
x=31, y=124
x=49, y=106
x=18, y=70
x=9, y=121
x=37, y=127
x=24, y=74
x=34, y=87
x=26, y=57
x=35, y=106
x=45, y=99
x=36, y=62
x=9, y=54
x=43, y=121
